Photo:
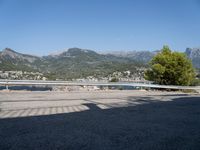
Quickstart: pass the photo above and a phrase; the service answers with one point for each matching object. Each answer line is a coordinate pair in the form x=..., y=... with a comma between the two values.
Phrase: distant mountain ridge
x=140, y=56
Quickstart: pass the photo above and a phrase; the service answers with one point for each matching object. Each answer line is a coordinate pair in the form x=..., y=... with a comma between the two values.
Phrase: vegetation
x=114, y=79
x=196, y=82
x=13, y=66
x=170, y=68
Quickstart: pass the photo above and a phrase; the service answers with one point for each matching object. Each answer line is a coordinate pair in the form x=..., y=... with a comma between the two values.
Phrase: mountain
x=194, y=55
x=76, y=53
x=12, y=60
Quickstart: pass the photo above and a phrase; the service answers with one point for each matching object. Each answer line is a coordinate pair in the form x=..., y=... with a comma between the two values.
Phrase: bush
x=114, y=80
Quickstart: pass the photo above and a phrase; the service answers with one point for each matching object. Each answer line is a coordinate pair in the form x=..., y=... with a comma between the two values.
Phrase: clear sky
x=43, y=26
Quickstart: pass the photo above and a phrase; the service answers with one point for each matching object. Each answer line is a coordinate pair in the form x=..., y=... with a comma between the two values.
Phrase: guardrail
x=68, y=83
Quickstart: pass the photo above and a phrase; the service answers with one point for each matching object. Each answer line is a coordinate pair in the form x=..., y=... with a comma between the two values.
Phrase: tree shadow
x=170, y=125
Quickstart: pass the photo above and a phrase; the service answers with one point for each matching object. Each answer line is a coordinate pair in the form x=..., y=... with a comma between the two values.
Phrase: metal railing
x=8, y=83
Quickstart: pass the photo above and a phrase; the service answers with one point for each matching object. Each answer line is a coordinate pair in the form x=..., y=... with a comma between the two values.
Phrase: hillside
x=71, y=64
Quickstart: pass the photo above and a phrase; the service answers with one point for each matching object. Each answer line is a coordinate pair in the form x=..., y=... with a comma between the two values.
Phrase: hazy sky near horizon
x=43, y=26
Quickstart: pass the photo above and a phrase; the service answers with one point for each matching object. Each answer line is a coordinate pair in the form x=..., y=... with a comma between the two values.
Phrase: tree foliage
x=170, y=68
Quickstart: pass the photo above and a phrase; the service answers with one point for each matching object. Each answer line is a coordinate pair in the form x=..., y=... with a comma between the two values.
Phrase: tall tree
x=170, y=68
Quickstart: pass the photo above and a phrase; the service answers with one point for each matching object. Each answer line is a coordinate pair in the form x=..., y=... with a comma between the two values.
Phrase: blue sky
x=43, y=26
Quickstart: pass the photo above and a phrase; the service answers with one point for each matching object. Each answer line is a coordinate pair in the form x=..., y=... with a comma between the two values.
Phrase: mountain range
x=70, y=64
x=80, y=63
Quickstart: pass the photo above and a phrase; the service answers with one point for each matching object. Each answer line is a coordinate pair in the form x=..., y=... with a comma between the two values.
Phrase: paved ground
x=22, y=104
x=99, y=120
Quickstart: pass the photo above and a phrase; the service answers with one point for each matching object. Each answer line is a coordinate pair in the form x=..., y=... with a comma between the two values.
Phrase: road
x=100, y=120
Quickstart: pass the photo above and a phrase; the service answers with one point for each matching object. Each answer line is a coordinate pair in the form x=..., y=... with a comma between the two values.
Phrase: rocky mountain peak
x=194, y=55
x=8, y=50
x=11, y=54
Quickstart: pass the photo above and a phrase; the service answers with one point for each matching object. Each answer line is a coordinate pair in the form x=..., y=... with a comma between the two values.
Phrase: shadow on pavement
x=170, y=125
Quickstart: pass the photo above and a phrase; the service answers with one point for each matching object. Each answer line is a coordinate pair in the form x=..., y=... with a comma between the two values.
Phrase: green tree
x=170, y=68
